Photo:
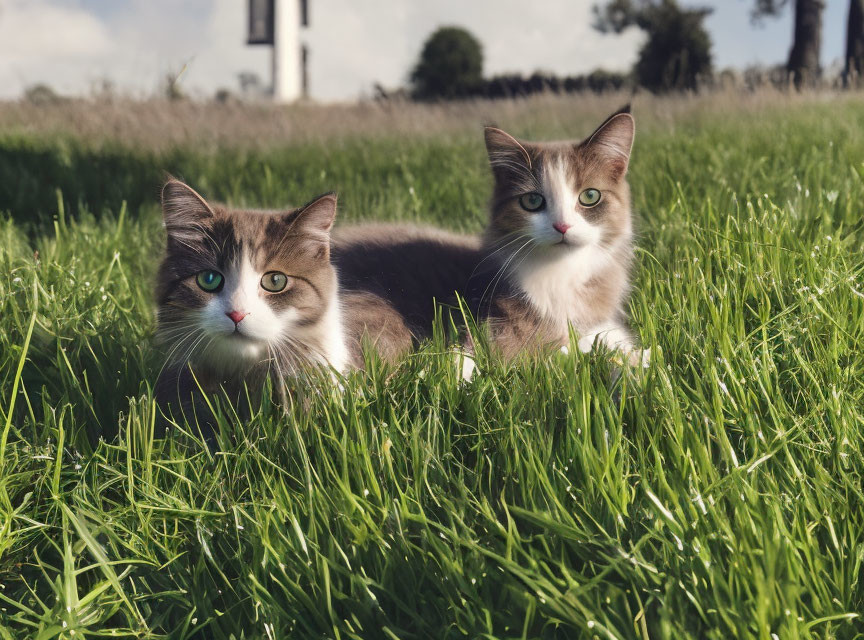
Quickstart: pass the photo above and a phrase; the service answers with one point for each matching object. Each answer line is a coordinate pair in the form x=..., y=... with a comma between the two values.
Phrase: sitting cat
x=243, y=295
x=556, y=255
x=560, y=239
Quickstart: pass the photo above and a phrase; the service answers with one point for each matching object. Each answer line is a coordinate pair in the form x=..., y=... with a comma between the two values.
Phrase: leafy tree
x=803, y=62
x=678, y=49
x=450, y=66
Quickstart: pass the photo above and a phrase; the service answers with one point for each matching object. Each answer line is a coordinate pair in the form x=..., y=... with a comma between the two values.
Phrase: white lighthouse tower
x=278, y=23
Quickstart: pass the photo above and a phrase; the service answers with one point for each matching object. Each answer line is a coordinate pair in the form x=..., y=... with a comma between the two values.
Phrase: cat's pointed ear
x=184, y=211
x=505, y=152
x=613, y=141
x=317, y=216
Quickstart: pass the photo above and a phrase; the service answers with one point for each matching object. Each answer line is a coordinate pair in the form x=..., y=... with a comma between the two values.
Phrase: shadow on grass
x=34, y=172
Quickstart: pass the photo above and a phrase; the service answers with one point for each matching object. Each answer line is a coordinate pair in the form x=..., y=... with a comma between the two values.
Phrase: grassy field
x=716, y=495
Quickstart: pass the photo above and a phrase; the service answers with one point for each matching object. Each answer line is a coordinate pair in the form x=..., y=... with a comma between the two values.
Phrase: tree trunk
x=804, y=57
x=854, y=44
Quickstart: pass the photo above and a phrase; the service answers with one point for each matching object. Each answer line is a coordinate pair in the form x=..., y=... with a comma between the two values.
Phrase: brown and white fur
x=565, y=265
x=525, y=280
x=237, y=335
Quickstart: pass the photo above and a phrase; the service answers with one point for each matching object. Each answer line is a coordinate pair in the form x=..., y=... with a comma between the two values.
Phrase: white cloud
x=69, y=44
x=40, y=42
x=38, y=29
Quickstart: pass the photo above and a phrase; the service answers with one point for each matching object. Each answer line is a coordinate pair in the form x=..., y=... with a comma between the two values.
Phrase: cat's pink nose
x=561, y=227
x=236, y=316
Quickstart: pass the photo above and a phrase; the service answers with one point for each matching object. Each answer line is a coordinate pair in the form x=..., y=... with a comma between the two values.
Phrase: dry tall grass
x=157, y=124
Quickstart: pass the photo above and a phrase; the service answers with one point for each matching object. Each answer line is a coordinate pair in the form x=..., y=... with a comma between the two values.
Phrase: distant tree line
x=515, y=85
x=676, y=54
x=451, y=66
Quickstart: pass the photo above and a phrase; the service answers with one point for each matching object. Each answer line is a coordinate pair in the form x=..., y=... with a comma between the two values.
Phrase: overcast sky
x=72, y=44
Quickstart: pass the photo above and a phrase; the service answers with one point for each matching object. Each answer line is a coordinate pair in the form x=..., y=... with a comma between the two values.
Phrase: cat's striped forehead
x=262, y=239
x=519, y=166
x=529, y=171
x=257, y=237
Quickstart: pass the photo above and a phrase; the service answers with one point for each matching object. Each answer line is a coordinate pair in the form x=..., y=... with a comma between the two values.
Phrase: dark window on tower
x=304, y=13
x=261, y=21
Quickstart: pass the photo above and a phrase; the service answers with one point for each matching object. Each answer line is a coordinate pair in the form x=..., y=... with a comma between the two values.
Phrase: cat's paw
x=639, y=358
x=633, y=357
x=585, y=343
x=465, y=365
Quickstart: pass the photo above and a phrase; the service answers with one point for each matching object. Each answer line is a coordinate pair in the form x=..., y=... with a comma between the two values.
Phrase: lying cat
x=556, y=254
x=243, y=295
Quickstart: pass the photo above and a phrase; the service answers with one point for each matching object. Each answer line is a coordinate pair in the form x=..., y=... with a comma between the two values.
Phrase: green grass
x=719, y=495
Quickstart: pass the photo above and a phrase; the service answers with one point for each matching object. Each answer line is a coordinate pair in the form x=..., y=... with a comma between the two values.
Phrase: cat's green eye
x=532, y=201
x=274, y=281
x=210, y=280
x=589, y=197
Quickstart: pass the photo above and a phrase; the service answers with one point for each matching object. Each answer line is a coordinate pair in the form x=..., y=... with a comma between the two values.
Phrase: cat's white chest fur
x=555, y=285
x=558, y=288
x=333, y=340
